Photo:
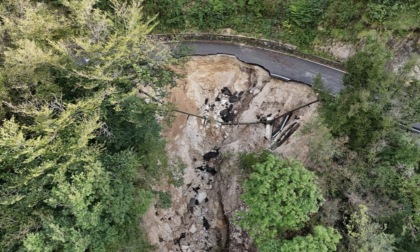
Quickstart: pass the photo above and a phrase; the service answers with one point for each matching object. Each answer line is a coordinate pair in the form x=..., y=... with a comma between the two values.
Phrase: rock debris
x=199, y=219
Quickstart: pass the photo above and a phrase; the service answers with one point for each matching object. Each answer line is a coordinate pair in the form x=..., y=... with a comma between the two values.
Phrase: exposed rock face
x=403, y=51
x=222, y=89
x=340, y=50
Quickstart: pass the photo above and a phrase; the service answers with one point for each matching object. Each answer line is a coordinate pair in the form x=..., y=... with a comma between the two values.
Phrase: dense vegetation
x=79, y=149
x=367, y=158
x=368, y=167
x=281, y=195
x=302, y=22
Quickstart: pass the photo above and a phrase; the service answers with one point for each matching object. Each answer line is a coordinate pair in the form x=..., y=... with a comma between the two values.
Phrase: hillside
x=111, y=141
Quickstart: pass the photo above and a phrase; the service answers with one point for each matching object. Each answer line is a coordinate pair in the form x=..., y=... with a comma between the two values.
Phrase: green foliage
x=57, y=193
x=170, y=12
x=201, y=14
x=250, y=16
x=349, y=20
x=340, y=13
x=78, y=149
x=323, y=240
x=321, y=142
x=280, y=194
x=248, y=160
x=305, y=13
x=410, y=187
x=164, y=199
x=368, y=114
x=85, y=49
x=131, y=124
x=406, y=102
x=402, y=150
x=366, y=236
x=301, y=22
x=209, y=14
x=360, y=112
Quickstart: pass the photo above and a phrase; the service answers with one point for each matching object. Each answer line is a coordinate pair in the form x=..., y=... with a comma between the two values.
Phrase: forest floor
x=204, y=153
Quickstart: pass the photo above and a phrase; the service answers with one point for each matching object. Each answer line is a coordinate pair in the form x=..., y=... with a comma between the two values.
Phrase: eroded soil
x=223, y=90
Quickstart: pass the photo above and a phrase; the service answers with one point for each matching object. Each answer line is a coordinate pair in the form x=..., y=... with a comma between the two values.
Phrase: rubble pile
x=223, y=93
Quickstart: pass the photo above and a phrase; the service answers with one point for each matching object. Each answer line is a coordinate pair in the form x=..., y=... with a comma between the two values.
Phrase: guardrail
x=256, y=42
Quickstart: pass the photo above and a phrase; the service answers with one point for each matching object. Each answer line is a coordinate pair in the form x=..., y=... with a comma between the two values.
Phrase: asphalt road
x=279, y=65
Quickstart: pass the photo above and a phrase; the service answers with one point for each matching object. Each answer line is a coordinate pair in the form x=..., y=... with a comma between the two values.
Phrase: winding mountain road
x=278, y=64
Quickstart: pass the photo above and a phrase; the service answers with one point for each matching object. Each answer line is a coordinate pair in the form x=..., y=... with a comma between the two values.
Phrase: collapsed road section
x=224, y=92
x=281, y=60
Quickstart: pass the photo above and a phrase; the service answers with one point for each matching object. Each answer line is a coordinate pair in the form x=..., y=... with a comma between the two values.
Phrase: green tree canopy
x=75, y=49
x=72, y=176
x=281, y=194
x=375, y=99
x=360, y=112
x=324, y=239
x=365, y=235
x=56, y=192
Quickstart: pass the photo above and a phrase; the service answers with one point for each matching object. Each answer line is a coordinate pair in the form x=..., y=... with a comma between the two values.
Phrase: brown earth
x=203, y=207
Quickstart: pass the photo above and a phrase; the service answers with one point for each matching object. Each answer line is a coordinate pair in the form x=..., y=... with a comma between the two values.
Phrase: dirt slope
x=222, y=89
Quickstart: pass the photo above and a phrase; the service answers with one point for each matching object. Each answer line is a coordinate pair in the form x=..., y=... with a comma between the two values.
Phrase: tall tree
x=361, y=110
x=75, y=48
x=68, y=69
x=281, y=194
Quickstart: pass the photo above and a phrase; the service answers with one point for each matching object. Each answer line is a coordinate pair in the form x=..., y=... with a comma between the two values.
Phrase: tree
x=321, y=143
x=405, y=102
x=68, y=68
x=323, y=240
x=133, y=127
x=410, y=187
x=375, y=99
x=369, y=113
x=280, y=194
x=170, y=13
x=365, y=236
x=75, y=49
x=32, y=164
x=360, y=112
x=57, y=193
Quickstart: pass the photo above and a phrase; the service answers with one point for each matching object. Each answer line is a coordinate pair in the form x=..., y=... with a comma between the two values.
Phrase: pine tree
x=68, y=70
